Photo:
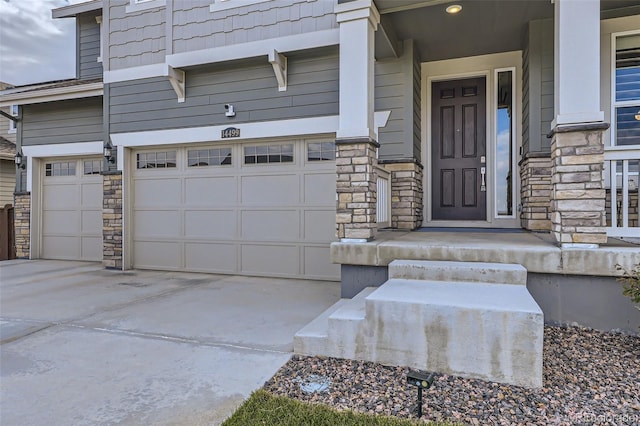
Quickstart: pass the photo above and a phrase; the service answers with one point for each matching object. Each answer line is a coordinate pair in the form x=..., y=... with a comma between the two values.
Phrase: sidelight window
x=505, y=142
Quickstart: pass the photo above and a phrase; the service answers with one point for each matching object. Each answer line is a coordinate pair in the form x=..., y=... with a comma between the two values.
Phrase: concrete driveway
x=83, y=345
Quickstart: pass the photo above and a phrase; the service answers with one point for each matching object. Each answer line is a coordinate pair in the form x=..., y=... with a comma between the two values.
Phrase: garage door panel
x=211, y=257
x=270, y=259
x=217, y=225
x=64, y=196
x=61, y=247
x=92, y=195
x=92, y=248
x=91, y=221
x=152, y=254
x=157, y=192
x=319, y=225
x=315, y=188
x=270, y=225
x=157, y=224
x=317, y=263
x=270, y=190
x=60, y=222
x=213, y=191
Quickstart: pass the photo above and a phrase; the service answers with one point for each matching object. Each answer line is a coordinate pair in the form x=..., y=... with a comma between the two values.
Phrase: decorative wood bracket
x=279, y=63
x=177, y=79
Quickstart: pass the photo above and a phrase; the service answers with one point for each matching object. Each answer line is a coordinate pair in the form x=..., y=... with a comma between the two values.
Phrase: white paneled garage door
x=72, y=209
x=254, y=209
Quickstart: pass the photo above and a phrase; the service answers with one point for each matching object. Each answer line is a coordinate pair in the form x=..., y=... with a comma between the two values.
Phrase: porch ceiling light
x=453, y=9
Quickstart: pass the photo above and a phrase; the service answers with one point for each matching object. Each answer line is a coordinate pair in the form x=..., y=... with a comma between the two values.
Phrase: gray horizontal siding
x=195, y=27
x=397, y=88
x=151, y=104
x=136, y=38
x=538, y=109
x=88, y=47
x=77, y=120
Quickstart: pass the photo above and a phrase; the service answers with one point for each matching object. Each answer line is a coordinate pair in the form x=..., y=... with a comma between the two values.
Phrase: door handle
x=483, y=185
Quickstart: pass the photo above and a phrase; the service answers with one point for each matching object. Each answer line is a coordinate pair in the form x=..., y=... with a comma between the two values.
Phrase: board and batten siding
x=538, y=86
x=195, y=27
x=397, y=88
x=135, y=38
x=78, y=120
x=88, y=33
x=251, y=87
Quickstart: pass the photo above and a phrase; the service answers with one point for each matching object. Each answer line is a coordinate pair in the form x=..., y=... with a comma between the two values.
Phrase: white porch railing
x=623, y=164
x=383, y=203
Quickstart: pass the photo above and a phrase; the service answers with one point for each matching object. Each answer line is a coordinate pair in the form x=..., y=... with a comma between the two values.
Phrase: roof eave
x=75, y=9
x=56, y=94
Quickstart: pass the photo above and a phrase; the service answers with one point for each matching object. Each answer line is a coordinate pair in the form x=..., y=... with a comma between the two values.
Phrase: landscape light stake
x=422, y=380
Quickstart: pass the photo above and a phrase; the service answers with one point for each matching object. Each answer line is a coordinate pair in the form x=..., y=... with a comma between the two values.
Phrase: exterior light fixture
x=421, y=380
x=19, y=160
x=108, y=152
x=453, y=9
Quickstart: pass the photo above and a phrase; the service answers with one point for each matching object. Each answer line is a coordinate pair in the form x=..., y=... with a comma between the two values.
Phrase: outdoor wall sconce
x=421, y=380
x=108, y=153
x=19, y=160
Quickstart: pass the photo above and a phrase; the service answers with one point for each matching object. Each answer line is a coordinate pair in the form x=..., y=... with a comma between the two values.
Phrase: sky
x=33, y=46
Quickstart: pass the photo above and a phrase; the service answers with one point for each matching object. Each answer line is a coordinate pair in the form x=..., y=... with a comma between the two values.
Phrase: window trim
x=99, y=22
x=220, y=5
x=614, y=103
x=268, y=163
x=140, y=5
x=514, y=142
x=13, y=125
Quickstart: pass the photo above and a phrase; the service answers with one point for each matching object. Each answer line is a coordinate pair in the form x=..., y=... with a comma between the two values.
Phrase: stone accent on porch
x=578, y=195
x=22, y=224
x=535, y=175
x=112, y=220
x=406, y=194
x=473, y=320
x=356, y=189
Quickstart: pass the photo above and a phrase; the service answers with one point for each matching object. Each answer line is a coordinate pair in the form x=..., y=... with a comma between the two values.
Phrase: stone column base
x=578, y=195
x=535, y=192
x=22, y=224
x=112, y=220
x=406, y=193
x=356, y=189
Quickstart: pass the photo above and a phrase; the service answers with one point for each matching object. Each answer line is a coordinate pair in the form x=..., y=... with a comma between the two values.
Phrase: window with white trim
x=209, y=157
x=139, y=5
x=156, y=160
x=264, y=154
x=625, y=116
x=99, y=22
x=60, y=168
x=13, y=125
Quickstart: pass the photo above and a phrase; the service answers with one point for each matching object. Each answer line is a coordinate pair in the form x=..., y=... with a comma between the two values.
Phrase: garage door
x=72, y=209
x=263, y=209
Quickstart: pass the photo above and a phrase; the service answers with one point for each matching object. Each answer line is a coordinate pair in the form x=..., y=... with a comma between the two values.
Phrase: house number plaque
x=230, y=132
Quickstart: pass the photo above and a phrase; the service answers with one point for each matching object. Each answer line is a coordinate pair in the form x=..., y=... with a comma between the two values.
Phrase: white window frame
x=139, y=5
x=219, y=5
x=13, y=125
x=614, y=103
x=99, y=21
x=514, y=148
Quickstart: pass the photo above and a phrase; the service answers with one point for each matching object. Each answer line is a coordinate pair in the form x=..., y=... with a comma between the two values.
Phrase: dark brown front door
x=458, y=150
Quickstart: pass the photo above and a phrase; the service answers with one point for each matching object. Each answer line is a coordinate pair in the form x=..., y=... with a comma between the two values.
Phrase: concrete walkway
x=80, y=345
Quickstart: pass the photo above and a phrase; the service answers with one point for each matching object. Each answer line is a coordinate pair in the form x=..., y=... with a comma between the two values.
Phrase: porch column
x=355, y=139
x=577, y=148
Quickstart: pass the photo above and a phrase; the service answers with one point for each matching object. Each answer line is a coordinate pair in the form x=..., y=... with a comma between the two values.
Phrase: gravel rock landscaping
x=590, y=378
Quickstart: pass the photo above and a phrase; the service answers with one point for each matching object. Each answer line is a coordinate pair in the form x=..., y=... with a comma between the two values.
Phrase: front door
x=458, y=148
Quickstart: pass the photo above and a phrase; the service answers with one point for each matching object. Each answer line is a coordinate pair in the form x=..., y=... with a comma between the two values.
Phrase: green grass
x=263, y=408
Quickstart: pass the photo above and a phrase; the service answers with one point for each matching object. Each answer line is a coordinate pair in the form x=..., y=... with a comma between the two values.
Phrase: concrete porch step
x=469, y=319
x=480, y=272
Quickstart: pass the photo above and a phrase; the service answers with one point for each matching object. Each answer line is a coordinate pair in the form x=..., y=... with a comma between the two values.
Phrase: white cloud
x=34, y=47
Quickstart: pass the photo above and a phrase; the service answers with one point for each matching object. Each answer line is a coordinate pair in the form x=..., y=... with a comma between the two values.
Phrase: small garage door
x=72, y=209
x=253, y=209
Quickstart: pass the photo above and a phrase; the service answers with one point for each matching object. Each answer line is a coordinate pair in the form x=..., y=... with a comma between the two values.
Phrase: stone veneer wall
x=356, y=188
x=535, y=192
x=112, y=220
x=578, y=195
x=406, y=194
x=22, y=224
